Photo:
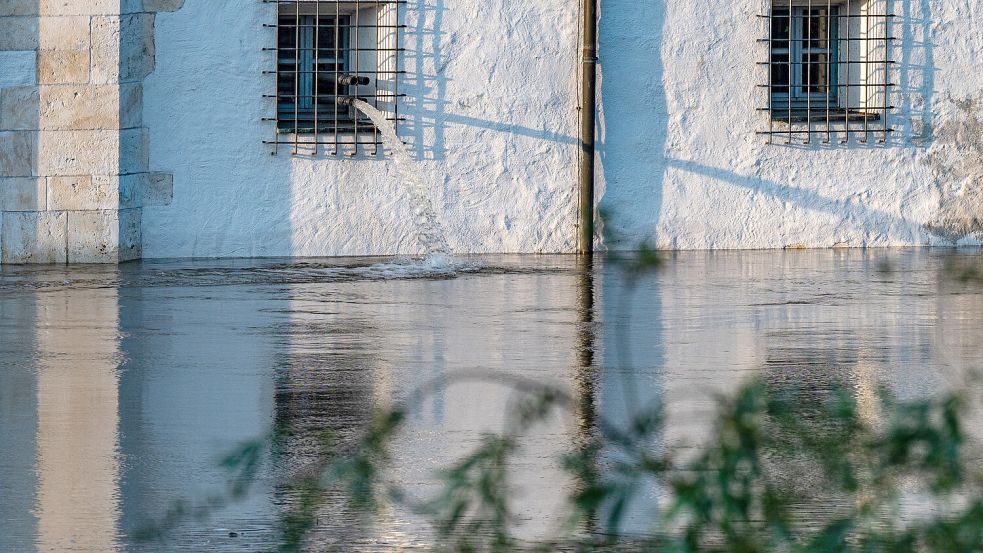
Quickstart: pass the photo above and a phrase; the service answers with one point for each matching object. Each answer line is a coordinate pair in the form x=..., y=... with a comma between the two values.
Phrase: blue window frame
x=312, y=65
x=804, y=61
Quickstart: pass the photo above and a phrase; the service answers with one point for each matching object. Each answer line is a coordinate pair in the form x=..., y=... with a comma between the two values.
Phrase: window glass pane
x=305, y=71
x=780, y=29
x=326, y=36
x=287, y=62
x=779, y=73
x=287, y=33
x=816, y=29
x=815, y=73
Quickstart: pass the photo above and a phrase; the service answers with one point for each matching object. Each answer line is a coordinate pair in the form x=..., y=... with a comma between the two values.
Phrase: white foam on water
x=433, y=266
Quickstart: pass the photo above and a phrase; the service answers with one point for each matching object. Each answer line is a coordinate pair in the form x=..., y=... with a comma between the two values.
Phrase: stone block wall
x=74, y=160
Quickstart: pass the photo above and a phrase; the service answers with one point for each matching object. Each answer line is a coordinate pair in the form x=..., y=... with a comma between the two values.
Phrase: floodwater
x=121, y=388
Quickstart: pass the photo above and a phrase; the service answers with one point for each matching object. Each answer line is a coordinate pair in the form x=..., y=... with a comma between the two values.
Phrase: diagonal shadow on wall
x=802, y=198
x=426, y=84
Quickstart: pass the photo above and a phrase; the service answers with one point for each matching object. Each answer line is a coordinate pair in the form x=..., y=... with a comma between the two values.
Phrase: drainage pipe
x=588, y=107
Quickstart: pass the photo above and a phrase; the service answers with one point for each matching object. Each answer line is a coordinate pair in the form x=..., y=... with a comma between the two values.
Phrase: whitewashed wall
x=492, y=116
x=492, y=105
x=683, y=167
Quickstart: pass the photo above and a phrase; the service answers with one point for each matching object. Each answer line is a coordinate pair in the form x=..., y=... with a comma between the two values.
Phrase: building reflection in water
x=18, y=423
x=363, y=347
x=196, y=381
x=59, y=441
x=78, y=463
x=120, y=389
x=117, y=400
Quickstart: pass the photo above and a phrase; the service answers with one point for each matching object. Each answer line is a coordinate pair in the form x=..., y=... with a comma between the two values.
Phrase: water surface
x=120, y=387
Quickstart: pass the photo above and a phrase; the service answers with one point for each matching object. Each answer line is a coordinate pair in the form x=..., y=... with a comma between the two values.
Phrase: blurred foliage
x=737, y=494
x=772, y=455
x=964, y=272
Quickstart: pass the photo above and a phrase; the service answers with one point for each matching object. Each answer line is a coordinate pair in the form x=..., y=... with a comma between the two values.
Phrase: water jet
x=430, y=233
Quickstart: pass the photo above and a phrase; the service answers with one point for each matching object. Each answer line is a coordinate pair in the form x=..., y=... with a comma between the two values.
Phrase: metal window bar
x=887, y=65
x=829, y=68
x=378, y=41
x=357, y=67
x=807, y=55
x=866, y=91
x=845, y=139
x=337, y=55
x=813, y=70
x=328, y=52
x=317, y=65
x=296, y=77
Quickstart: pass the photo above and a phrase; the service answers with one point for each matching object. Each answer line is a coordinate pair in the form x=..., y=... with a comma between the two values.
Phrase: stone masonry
x=74, y=160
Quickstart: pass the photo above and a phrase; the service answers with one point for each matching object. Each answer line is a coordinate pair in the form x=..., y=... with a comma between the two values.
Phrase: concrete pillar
x=74, y=160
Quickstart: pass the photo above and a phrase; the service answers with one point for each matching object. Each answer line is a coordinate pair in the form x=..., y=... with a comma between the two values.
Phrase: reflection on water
x=120, y=387
x=77, y=463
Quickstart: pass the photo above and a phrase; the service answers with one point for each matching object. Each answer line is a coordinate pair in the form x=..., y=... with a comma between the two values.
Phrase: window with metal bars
x=829, y=71
x=329, y=53
x=312, y=62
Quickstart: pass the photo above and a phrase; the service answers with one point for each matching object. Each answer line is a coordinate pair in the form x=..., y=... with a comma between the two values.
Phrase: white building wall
x=492, y=118
x=684, y=168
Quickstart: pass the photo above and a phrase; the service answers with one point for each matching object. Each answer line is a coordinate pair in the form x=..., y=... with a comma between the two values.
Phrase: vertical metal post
x=846, y=81
x=357, y=72
x=276, y=89
x=771, y=61
x=887, y=71
x=297, y=69
x=865, y=21
x=588, y=107
x=395, y=66
x=375, y=77
x=337, y=65
x=791, y=68
x=807, y=55
x=830, y=20
x=317, y=64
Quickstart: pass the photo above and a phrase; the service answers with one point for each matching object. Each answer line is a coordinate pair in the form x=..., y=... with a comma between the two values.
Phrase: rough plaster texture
x=492, y=117
x=683, y=168
x=491, y=112
x=956, y=160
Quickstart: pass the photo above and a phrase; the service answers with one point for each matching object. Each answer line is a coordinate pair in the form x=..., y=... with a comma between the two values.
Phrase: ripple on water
x=153, y=274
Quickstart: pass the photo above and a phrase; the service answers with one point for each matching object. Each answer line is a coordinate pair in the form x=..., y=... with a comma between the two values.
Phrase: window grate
x=327, y=53
x=829, y=71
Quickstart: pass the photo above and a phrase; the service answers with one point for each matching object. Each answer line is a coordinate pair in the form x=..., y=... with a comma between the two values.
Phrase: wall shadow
x=916, y=68
x=631, y=140
x=18, y=416
x=231, y=197
x=803, y=198
x=632, y=116
x=426, y=86
x=21, y=229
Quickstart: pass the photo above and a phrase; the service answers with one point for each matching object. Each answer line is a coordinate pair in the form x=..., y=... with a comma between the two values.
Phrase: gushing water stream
x=430, y=234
